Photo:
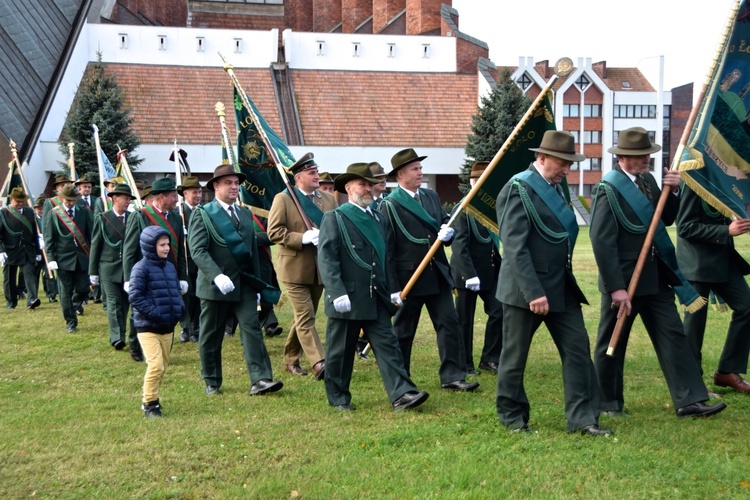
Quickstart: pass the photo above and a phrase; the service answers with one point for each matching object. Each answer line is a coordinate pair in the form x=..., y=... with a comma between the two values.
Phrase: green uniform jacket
x=213, y=257
x=20, y=244
x=105, y=259
x=533, y=267
x=705, y=251
x=131, y=252
x=341, y=275
x=616, y=249
x=60, y=244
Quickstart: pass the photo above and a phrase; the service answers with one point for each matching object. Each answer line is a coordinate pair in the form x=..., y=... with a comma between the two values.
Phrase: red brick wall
x=423, y=16
x=383, y=11
x=354, y=13
x=467, y=55
x=161, y=13
x=326, y=15
x=298, y=15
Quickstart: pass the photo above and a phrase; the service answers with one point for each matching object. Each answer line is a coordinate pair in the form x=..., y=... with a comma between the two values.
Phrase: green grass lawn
x=71, y=425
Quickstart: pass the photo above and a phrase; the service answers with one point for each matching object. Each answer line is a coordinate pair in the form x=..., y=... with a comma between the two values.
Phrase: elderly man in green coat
x=223, y=245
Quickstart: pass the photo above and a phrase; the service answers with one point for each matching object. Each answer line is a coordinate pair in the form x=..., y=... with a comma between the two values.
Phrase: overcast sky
x=633, y=33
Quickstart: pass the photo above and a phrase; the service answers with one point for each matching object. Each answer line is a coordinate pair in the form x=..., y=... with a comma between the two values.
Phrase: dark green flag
x=263, y=178
x=516, y=158
x=716, y=160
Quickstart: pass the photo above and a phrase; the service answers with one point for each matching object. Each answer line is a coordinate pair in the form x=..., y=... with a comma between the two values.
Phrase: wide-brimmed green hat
x=61, y=179
x=86, y=179
x=39, y=202
x=634, y=141
x=188, y=183
x=121, y=189
x=163, y=185
x=559, y=144
x=17, y=194
x=403, y=158
x=69, y=192
x=325, y=178
x=354, y=171
x=377, y=170
x=223, y=171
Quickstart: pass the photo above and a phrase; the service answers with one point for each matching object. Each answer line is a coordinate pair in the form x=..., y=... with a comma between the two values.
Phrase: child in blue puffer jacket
x=157, y=307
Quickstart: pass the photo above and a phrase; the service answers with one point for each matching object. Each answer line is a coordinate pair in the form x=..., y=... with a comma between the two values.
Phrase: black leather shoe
x=10, y=306
x=411, y=399
x=137, y=355
x=461, y=385
x=52, y=300
x=71, y=329
x=472, y=371
x=489, y=366
x=119, y=345
x=524, y=429
x=595, y=430
x=344, y=408
x=273, y=331
x=264, y=386
x=35, y=304
x=700, y=410
x=79, y=311
x=184, y=336
x=614, y=414
x=212, y=389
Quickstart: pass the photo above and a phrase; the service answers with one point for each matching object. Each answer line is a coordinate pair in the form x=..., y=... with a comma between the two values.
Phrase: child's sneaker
x=152, y=409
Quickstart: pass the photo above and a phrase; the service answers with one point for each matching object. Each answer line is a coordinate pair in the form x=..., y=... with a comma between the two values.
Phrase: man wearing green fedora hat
x=55, y=200
x=351, y=258
x=19, y=249
x=224, y=246
x=415, y=219
x=84, y=185
x=105, y=262
x=192, y=193
x=621, y=213
x=67, y=238
x=109, y=185
x=538, y=231
x=159, y=213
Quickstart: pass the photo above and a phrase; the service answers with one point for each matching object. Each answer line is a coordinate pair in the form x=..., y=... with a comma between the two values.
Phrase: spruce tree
x=99, y=100
x=496, y=117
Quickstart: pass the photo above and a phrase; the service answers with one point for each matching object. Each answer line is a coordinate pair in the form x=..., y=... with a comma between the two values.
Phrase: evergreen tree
x=99, y=100
x=497, y=116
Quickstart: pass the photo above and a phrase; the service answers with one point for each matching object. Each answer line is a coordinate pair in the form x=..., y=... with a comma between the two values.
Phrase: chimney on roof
x=326, y=15
x=298, y=15
x=354, y=13
x=542, y=67
x=383, y=11
x=423, y=16
x=600, y=68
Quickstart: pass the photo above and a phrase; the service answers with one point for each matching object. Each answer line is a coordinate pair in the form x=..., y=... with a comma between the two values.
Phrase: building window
x=238, y=45
x=200, y=44
x=592, y=136
x=425, y=51
x=524, y=81
x=574, y=133
x=123, y=40
x=571, y=110
x=596, y=163
x=634, y=111
x=321, y=46
x=162, y=39
x=391, y=49
x=582, y=83
x=356, y=49
x=592, y=110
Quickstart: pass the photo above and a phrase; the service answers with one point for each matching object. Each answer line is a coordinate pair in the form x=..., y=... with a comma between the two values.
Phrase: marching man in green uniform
x=49, y=283
x=621, y=212
x=538, y=231
x=191, y=192
x=67, y=238
x=223, y=245
x=351, y=259
x=19, y=249
x=159, y=213
x=60, y=182
x=105, y=262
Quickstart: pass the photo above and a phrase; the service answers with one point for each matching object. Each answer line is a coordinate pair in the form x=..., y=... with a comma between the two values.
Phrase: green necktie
x=643, y=185
x=418, y=198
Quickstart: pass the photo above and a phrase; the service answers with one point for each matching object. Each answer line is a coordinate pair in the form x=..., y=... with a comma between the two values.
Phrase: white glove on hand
x=126, y=287
x=446, y=233
x=41, y=241
x=310, y=237
x=94, y=280
x=342, y=304
x=396, y=299
x=52, y=265
x=38, y=258
x=184, y=230
x=3, y=258
x=473, y=284
x=183, y=287
x=224, y=283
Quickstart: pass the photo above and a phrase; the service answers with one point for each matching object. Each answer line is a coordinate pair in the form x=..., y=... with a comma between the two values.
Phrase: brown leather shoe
x=319, y=369
x=295, y=370
x=732, y=380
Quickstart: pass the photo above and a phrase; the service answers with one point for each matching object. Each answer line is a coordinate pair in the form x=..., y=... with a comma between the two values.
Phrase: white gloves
x=126, y=287
x=473, y=284
x=342, y=304
x=3, y=258
x=94, y=280
x=310, y=237
x=52, y=265
x=41, y=241
x=446, y=233
x=183, y=287
x=38, y=258
x=396, y=299
x=224, y=283
x=184, y=230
